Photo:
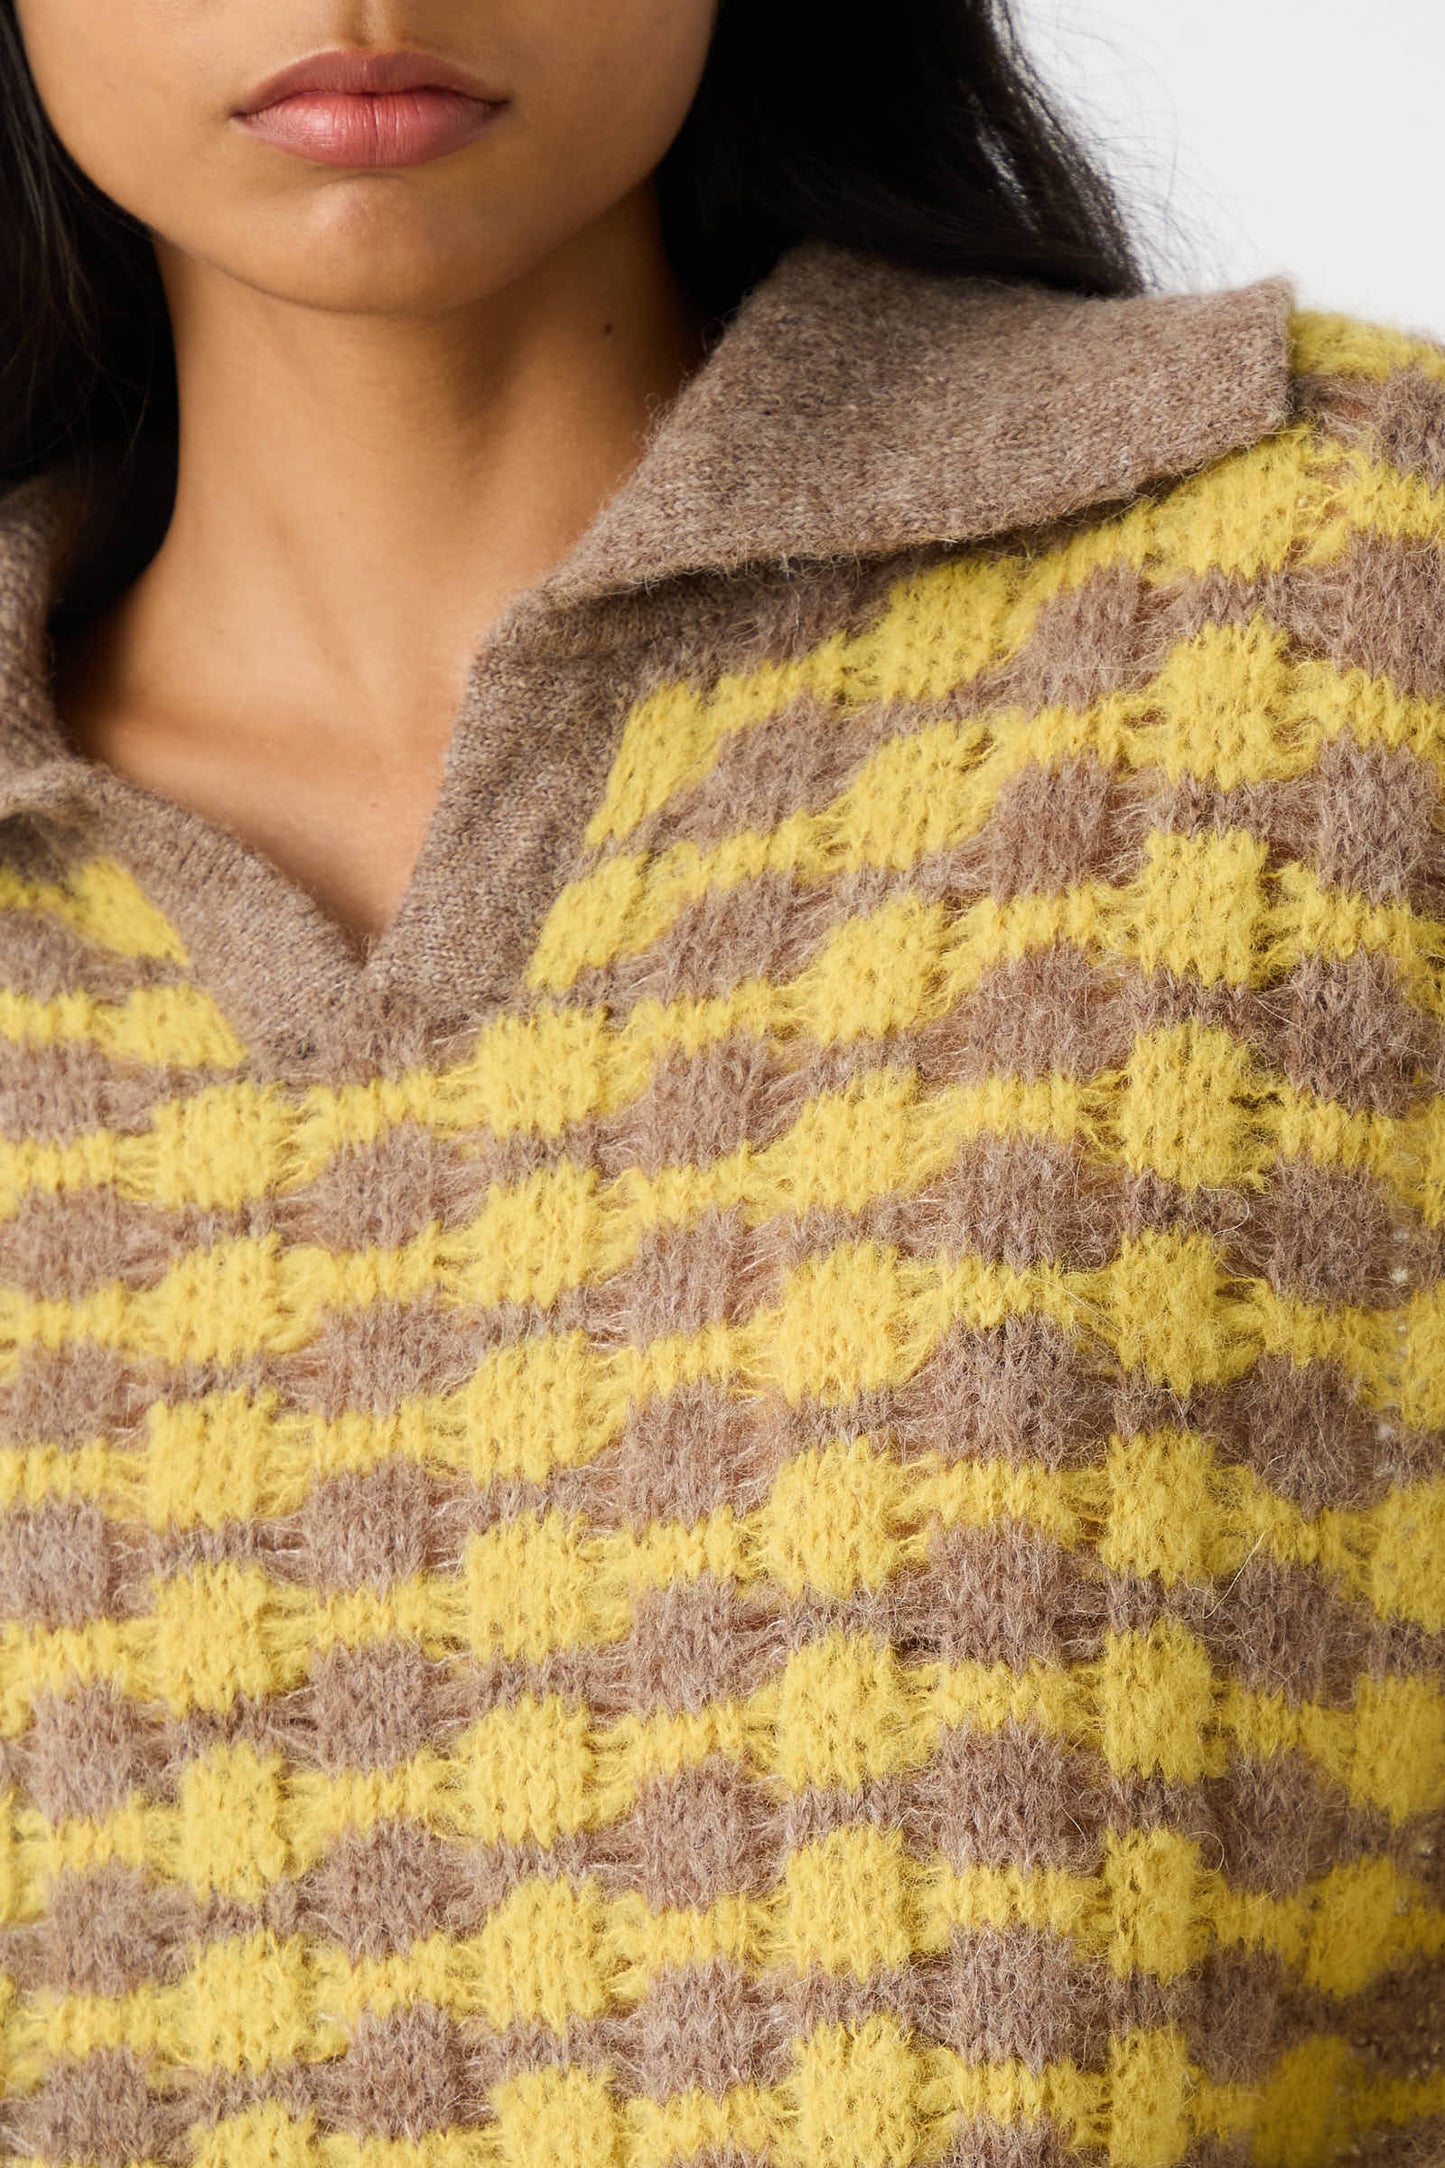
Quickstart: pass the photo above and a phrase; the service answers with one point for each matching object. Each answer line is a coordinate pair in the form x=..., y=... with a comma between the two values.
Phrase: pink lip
x=345, y=108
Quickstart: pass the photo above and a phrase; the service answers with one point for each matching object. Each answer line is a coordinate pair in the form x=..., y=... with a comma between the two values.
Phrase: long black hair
x=916, y=132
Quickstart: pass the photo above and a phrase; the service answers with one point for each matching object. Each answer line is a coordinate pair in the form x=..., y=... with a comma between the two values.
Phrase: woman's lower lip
x=352, y=128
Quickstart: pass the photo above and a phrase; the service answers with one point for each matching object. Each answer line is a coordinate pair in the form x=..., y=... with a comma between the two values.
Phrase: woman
x=721, y=922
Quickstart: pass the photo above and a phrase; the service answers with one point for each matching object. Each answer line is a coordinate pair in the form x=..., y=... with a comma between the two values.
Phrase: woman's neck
x=358, y=497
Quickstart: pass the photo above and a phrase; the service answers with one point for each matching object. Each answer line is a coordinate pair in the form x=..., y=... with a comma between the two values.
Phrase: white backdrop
x=1305, y=136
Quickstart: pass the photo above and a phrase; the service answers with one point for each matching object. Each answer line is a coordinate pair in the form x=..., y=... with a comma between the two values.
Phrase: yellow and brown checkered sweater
x=770, y=1495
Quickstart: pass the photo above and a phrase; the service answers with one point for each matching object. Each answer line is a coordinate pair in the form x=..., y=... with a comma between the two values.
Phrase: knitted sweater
x=769, y=1493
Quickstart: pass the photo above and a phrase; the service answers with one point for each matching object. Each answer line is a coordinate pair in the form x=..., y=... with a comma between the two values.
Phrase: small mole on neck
x=606, y=331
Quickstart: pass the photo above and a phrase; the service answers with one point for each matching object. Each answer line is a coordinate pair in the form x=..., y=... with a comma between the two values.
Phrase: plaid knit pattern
x=825, y=1547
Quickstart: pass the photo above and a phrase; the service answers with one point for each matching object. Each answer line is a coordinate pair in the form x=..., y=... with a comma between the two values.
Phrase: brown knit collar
x=856, y=409
x=851, y=408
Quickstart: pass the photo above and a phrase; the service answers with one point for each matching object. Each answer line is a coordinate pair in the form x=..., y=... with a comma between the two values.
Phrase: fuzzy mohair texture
x=768, y=1492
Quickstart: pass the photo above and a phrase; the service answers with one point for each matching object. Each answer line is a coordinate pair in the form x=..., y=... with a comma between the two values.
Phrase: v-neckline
x=504, y=837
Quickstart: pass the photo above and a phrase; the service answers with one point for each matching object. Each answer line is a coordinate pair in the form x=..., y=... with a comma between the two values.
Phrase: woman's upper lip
x=341, y=69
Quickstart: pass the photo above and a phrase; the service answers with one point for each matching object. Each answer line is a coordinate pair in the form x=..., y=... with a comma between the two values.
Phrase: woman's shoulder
x=1341, y=355
x=1316, y=531
x=1350, y=479
x=1369, y=402
x=876, y=408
